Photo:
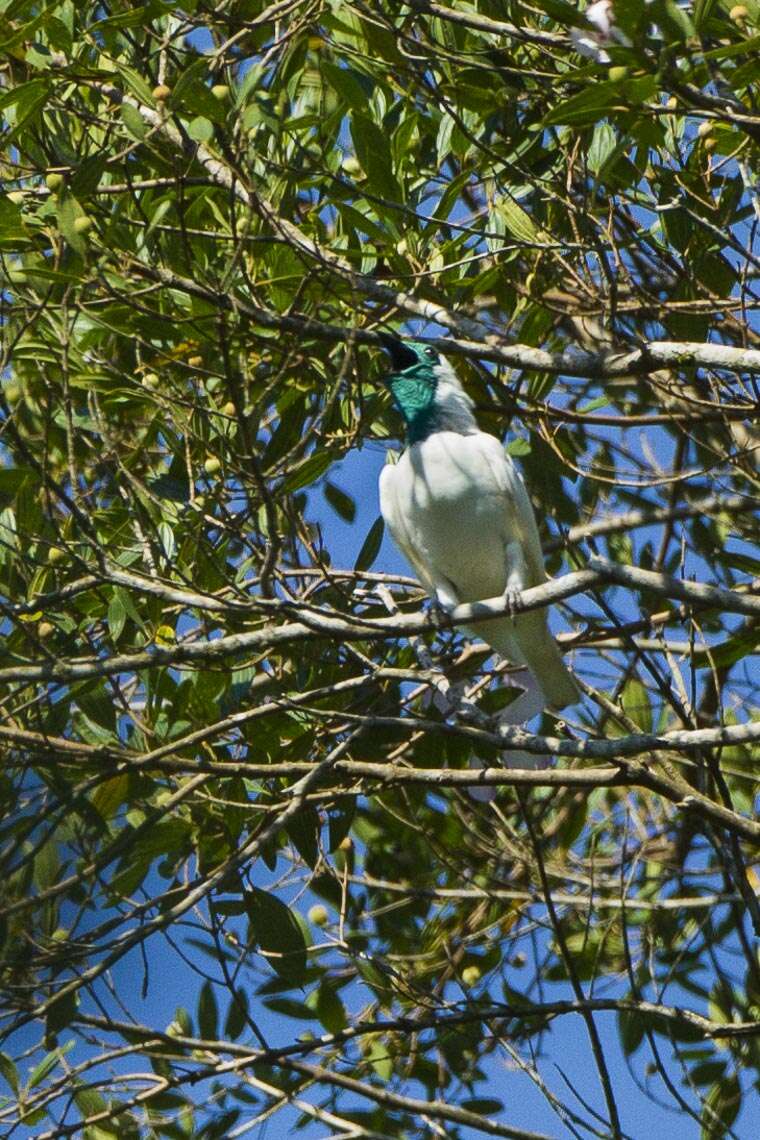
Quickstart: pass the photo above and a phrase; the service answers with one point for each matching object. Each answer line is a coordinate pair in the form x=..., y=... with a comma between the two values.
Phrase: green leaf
x=341, y=502
x=339, y=820
x=328, y=1007
x=517, y=221
x=13, y=478
x=631, y=1028
x=351, y=85
x=600, y=99
x=485, y=1106
x=735, y=648
x=289, y=1007
x=46, y=1065
x=636, y=703
x=373, y=151
x=109, y=796
x=237, y=1015
x=117, y=615
x=604, y=143
x=308, y=471
x=9, y=1071
x=201, y=129
x=208, y=1012
x=371, y=545
x=720, y=1108
x=303, y=830
x=278, y=934
x=133, y=121
x=68, y=212
x=89, y=1102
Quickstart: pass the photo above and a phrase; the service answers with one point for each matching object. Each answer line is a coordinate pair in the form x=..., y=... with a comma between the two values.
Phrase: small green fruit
x=221, y=92
x=82, y=224
x=212, y=466
x=738, y=14
x=317, y=915
x=161, y=93
x=195, y=361
x=618, y=74
x=54, y=180
x=150, y=380
x=45, y=629
x=55, y=555
x=228, y=409
x=471, y=975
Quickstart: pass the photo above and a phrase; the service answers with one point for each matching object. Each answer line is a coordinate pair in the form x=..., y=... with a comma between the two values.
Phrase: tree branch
x=316, y=623
x=573, y=361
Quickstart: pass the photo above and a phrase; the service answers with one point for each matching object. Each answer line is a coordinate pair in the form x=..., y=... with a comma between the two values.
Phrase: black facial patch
x=401, y=355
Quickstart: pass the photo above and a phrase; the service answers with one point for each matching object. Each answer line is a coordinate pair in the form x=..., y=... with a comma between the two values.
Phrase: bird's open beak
x=401, y=356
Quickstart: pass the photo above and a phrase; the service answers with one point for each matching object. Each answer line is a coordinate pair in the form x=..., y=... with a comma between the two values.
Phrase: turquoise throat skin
x=413, y=393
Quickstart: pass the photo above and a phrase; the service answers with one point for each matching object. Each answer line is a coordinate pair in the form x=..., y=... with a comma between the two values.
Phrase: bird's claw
x=442, y=607
x=513, y=597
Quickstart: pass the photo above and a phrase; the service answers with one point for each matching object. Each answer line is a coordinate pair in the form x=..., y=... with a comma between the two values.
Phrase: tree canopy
x=245, y=874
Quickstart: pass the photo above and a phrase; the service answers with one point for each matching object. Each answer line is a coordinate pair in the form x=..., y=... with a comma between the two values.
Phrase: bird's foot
x=443, y=606
x=513, y=597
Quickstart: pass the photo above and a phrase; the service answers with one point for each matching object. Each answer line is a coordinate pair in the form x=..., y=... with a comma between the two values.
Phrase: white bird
x=459, y=511
x=601, y=16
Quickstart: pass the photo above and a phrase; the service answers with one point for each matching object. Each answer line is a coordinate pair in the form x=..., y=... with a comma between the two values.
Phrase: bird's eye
x=430, y=352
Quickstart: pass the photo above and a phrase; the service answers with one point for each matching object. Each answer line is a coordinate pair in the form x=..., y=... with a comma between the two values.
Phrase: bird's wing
x=529, y=633
x=396, y=523
x=521, y=521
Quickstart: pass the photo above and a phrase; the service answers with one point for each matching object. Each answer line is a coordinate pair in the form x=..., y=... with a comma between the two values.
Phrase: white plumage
x=458, y=510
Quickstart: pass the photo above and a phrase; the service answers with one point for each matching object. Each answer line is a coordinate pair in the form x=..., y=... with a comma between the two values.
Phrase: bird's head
x=411, y=360
x=424, y=387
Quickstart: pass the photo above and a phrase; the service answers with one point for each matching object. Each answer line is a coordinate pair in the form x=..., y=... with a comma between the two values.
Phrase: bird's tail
x=556, y=680
x=527, y=641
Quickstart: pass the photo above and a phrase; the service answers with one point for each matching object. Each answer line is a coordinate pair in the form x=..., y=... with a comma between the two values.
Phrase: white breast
x=453, y=510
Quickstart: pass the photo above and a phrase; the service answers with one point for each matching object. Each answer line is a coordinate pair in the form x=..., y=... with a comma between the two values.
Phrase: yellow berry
x=150, y=380
x=56, y=554
x=44, y=630
x=709, y=145
x=220, y=91
x=229, y=409
x=318, y=915
x=82, y=224
x=471, y=975
x=738, y=14
x=54, y=180
x=212, y=466
x=161, y=92
x=616, y=74
x=195, y=361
